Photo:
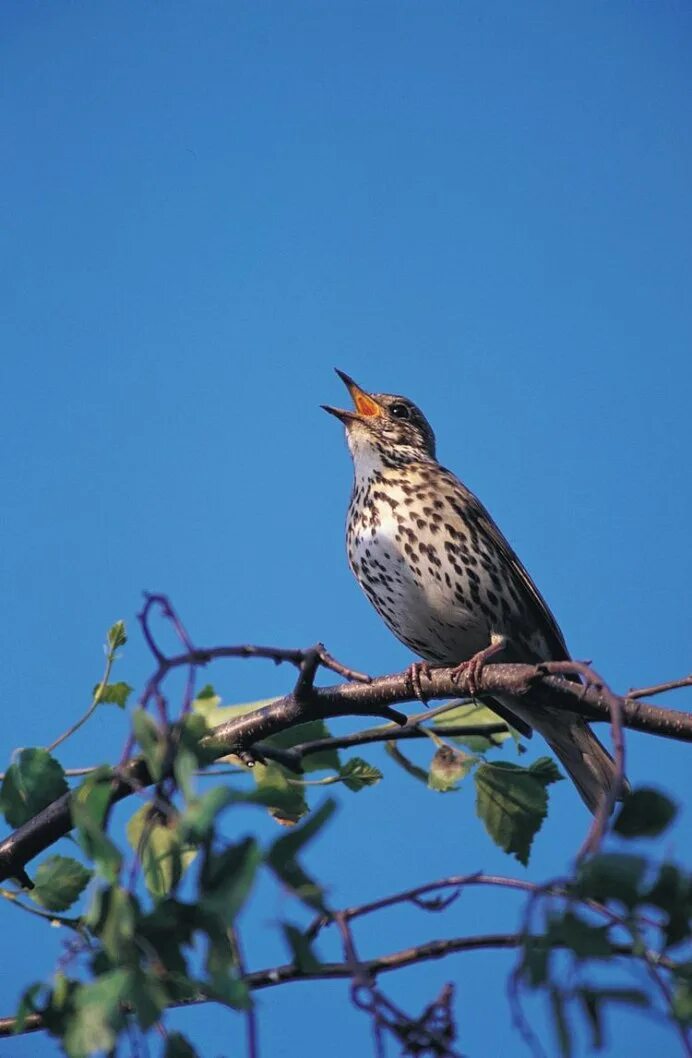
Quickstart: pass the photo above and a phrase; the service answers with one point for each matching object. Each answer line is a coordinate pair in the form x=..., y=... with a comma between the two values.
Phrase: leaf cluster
x=617, y=902
x=160, y=905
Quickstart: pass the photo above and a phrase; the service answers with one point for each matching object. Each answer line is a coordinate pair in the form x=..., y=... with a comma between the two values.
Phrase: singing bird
x=444, y=579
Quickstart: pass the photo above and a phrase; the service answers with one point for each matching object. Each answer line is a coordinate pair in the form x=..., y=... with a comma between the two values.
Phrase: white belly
x=412, y=593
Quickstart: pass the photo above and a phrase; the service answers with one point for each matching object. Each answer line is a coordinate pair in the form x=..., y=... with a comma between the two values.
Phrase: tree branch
x=376, y=698
x=397, y=960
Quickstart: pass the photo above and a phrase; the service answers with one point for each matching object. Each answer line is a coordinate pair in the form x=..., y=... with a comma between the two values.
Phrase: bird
x=444, y=579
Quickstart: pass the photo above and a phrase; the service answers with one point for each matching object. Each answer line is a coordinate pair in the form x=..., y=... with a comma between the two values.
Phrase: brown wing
x=537, y=608
x=536, y=604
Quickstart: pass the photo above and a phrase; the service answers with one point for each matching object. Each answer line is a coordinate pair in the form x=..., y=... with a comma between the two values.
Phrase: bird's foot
x=473, y=668
x=413, y=675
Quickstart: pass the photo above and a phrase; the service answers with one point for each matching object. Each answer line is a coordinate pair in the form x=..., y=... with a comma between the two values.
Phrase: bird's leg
x=413, y=675
x=474, y=666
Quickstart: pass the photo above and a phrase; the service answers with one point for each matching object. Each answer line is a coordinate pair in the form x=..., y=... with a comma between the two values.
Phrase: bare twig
x=250, y=1013
x=654, y=971
x=660, y=688
x=456, y=883
x=421, y=953
x=363, y=992
x=393, y=734
x=48, y=916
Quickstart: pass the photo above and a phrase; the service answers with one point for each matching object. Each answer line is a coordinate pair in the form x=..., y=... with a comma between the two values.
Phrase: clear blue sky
x=208, y=205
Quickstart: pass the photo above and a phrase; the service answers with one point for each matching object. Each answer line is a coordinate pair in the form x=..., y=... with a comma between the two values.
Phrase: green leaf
x=471, y=714
x=168, y=928
x=63, y=987
x=573, y=932
x=192, y=728
x=185, y=764
x=58, y=882
x=149, y=998
x=152, y=742
x=206, y=701
x=646, y=813
x=535, y=962
x=116, y=636
x=99, y=1009
x=512, y=802
x=546, y=771
x=356, y=774
x=160, y=848
x=113, y=693
x=28, y=1004
x=682, y=1002
x=392, y=750
x=227, y=878
x=672, y=893
x=178, y=1046
x=88, y=807
x=286, y=803
x=287, y=847
x=197, y=821
x=301, y=949
x=113, y=917
x=612, y=876
x=282, y=858
x=224, y=987
x=671, y=890
x=633, y=997
x=209, y=705
x=312, y=731
x=562, y=1030
x=591, y=1003
x=448, y=767
x=99, y=1014
x=206, y=693
x=31, y=782
x=189, y=754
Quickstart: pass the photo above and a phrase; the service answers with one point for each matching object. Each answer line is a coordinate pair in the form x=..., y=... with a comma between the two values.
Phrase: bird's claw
x=473, y=668
x=413, y=675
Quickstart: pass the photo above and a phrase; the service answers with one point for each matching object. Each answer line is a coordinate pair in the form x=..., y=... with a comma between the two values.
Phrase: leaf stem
x=71, y=923
x=95, y=702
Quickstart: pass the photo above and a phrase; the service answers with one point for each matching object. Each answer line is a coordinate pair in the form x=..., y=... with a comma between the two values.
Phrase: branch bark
x=375, y=698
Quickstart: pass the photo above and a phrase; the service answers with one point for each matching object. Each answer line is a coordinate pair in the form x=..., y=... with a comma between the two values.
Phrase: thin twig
x=653, y=970
x=48, y=916
x=660, y=688
x=393, y=733
x=250, y=1013
x=421, y=953
x=558, y=889
x=93, y=706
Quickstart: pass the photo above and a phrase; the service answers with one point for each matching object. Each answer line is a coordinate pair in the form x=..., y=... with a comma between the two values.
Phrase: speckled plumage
x=441, y=574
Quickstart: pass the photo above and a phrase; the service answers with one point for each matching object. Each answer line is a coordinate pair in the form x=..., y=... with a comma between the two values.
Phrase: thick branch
x=376, y=698
x=385, y=692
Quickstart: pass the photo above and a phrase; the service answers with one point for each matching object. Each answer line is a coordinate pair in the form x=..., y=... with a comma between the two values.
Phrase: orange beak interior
x=365, y=405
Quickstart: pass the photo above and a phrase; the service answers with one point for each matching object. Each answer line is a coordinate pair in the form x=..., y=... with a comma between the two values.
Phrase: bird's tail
x=587, y=762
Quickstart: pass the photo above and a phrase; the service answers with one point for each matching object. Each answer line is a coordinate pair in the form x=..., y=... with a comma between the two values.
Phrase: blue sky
x=208, y=206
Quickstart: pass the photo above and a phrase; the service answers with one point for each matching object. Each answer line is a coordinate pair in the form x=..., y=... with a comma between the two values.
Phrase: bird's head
x=384, y=427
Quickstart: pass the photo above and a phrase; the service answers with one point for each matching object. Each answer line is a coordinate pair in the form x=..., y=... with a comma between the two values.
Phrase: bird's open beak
x=366, y=406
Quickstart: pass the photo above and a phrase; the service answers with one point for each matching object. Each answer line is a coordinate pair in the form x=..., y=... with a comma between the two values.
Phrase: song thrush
x=442, y=576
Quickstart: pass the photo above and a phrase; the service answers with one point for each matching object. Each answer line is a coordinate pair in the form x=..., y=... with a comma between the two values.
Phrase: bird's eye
x=400, y=411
